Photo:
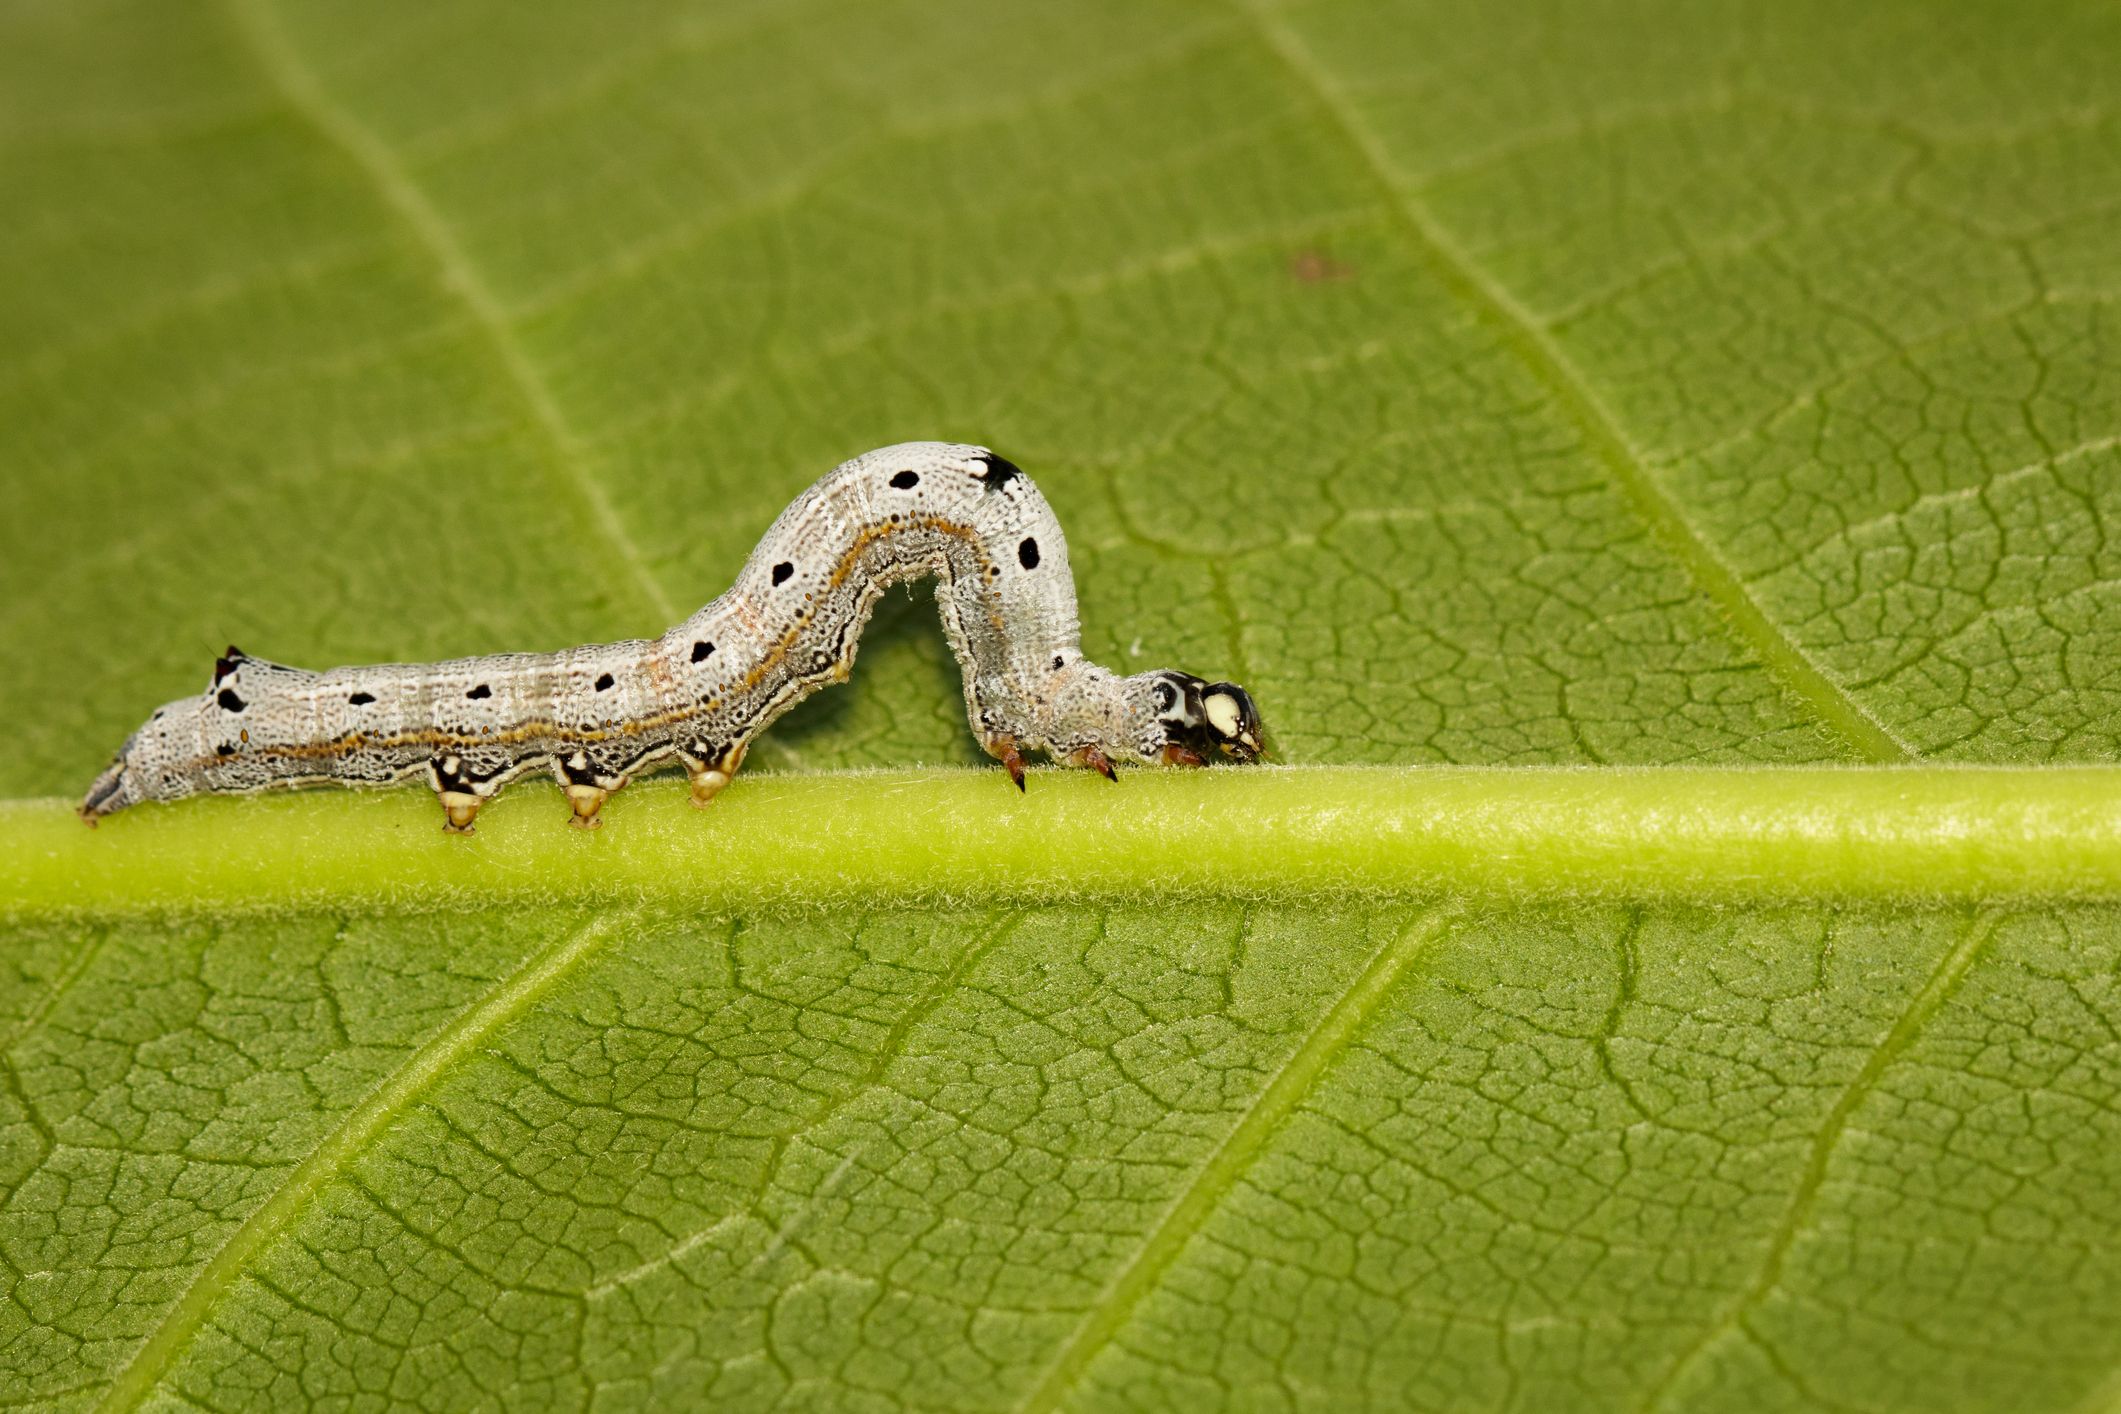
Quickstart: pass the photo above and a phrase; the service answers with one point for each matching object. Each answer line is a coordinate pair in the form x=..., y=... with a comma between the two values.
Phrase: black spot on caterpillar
x=471, y=725
x=1000, y=472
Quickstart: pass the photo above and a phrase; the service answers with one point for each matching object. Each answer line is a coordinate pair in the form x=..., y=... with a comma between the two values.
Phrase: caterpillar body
x=598, y=715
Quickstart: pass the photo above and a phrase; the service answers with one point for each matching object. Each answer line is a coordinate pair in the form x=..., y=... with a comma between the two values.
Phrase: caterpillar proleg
x=599, y=715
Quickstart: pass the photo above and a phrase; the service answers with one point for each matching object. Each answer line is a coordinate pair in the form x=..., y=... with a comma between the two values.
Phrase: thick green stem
x=940, y=836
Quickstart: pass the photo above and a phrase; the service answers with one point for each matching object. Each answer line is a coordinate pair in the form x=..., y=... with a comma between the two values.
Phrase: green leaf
x=1584, y=388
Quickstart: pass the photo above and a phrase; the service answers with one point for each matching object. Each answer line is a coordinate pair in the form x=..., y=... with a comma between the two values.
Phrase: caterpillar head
x=1196, y=721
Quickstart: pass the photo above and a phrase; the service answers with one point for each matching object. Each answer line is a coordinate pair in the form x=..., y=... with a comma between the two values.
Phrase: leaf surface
x=1576, y=386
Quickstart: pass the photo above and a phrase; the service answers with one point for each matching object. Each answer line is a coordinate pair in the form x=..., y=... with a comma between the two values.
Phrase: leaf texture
x=1599, y=385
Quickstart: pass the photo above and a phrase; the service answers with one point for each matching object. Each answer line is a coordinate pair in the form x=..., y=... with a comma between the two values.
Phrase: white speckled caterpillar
x=702, y=691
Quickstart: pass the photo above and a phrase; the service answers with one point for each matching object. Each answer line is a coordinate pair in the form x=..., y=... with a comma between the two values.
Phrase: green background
x=1560, y=384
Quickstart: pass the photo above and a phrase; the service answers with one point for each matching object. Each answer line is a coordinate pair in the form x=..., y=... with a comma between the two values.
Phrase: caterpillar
x=599, y=715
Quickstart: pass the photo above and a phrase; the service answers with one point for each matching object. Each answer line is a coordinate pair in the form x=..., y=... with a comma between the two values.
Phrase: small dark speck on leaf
x=1315, y=267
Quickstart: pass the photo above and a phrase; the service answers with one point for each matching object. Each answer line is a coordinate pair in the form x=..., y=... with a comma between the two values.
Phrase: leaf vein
x=1943, y=982
x=1523, y=334
x=459, y=277
x=160, y=1351
x=1189, y=1213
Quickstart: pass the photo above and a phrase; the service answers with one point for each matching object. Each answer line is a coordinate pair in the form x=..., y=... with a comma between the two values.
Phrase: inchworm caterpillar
x=700, y=693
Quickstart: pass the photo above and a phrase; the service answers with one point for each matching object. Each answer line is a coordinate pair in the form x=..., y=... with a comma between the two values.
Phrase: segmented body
x=703, y=691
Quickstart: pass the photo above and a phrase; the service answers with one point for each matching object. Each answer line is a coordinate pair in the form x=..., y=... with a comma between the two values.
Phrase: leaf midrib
x=859, y=839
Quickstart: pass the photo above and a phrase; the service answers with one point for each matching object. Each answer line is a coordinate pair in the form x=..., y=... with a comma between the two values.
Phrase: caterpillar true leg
x=1004, y=749
x=1091, y=759
x=703, y=690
